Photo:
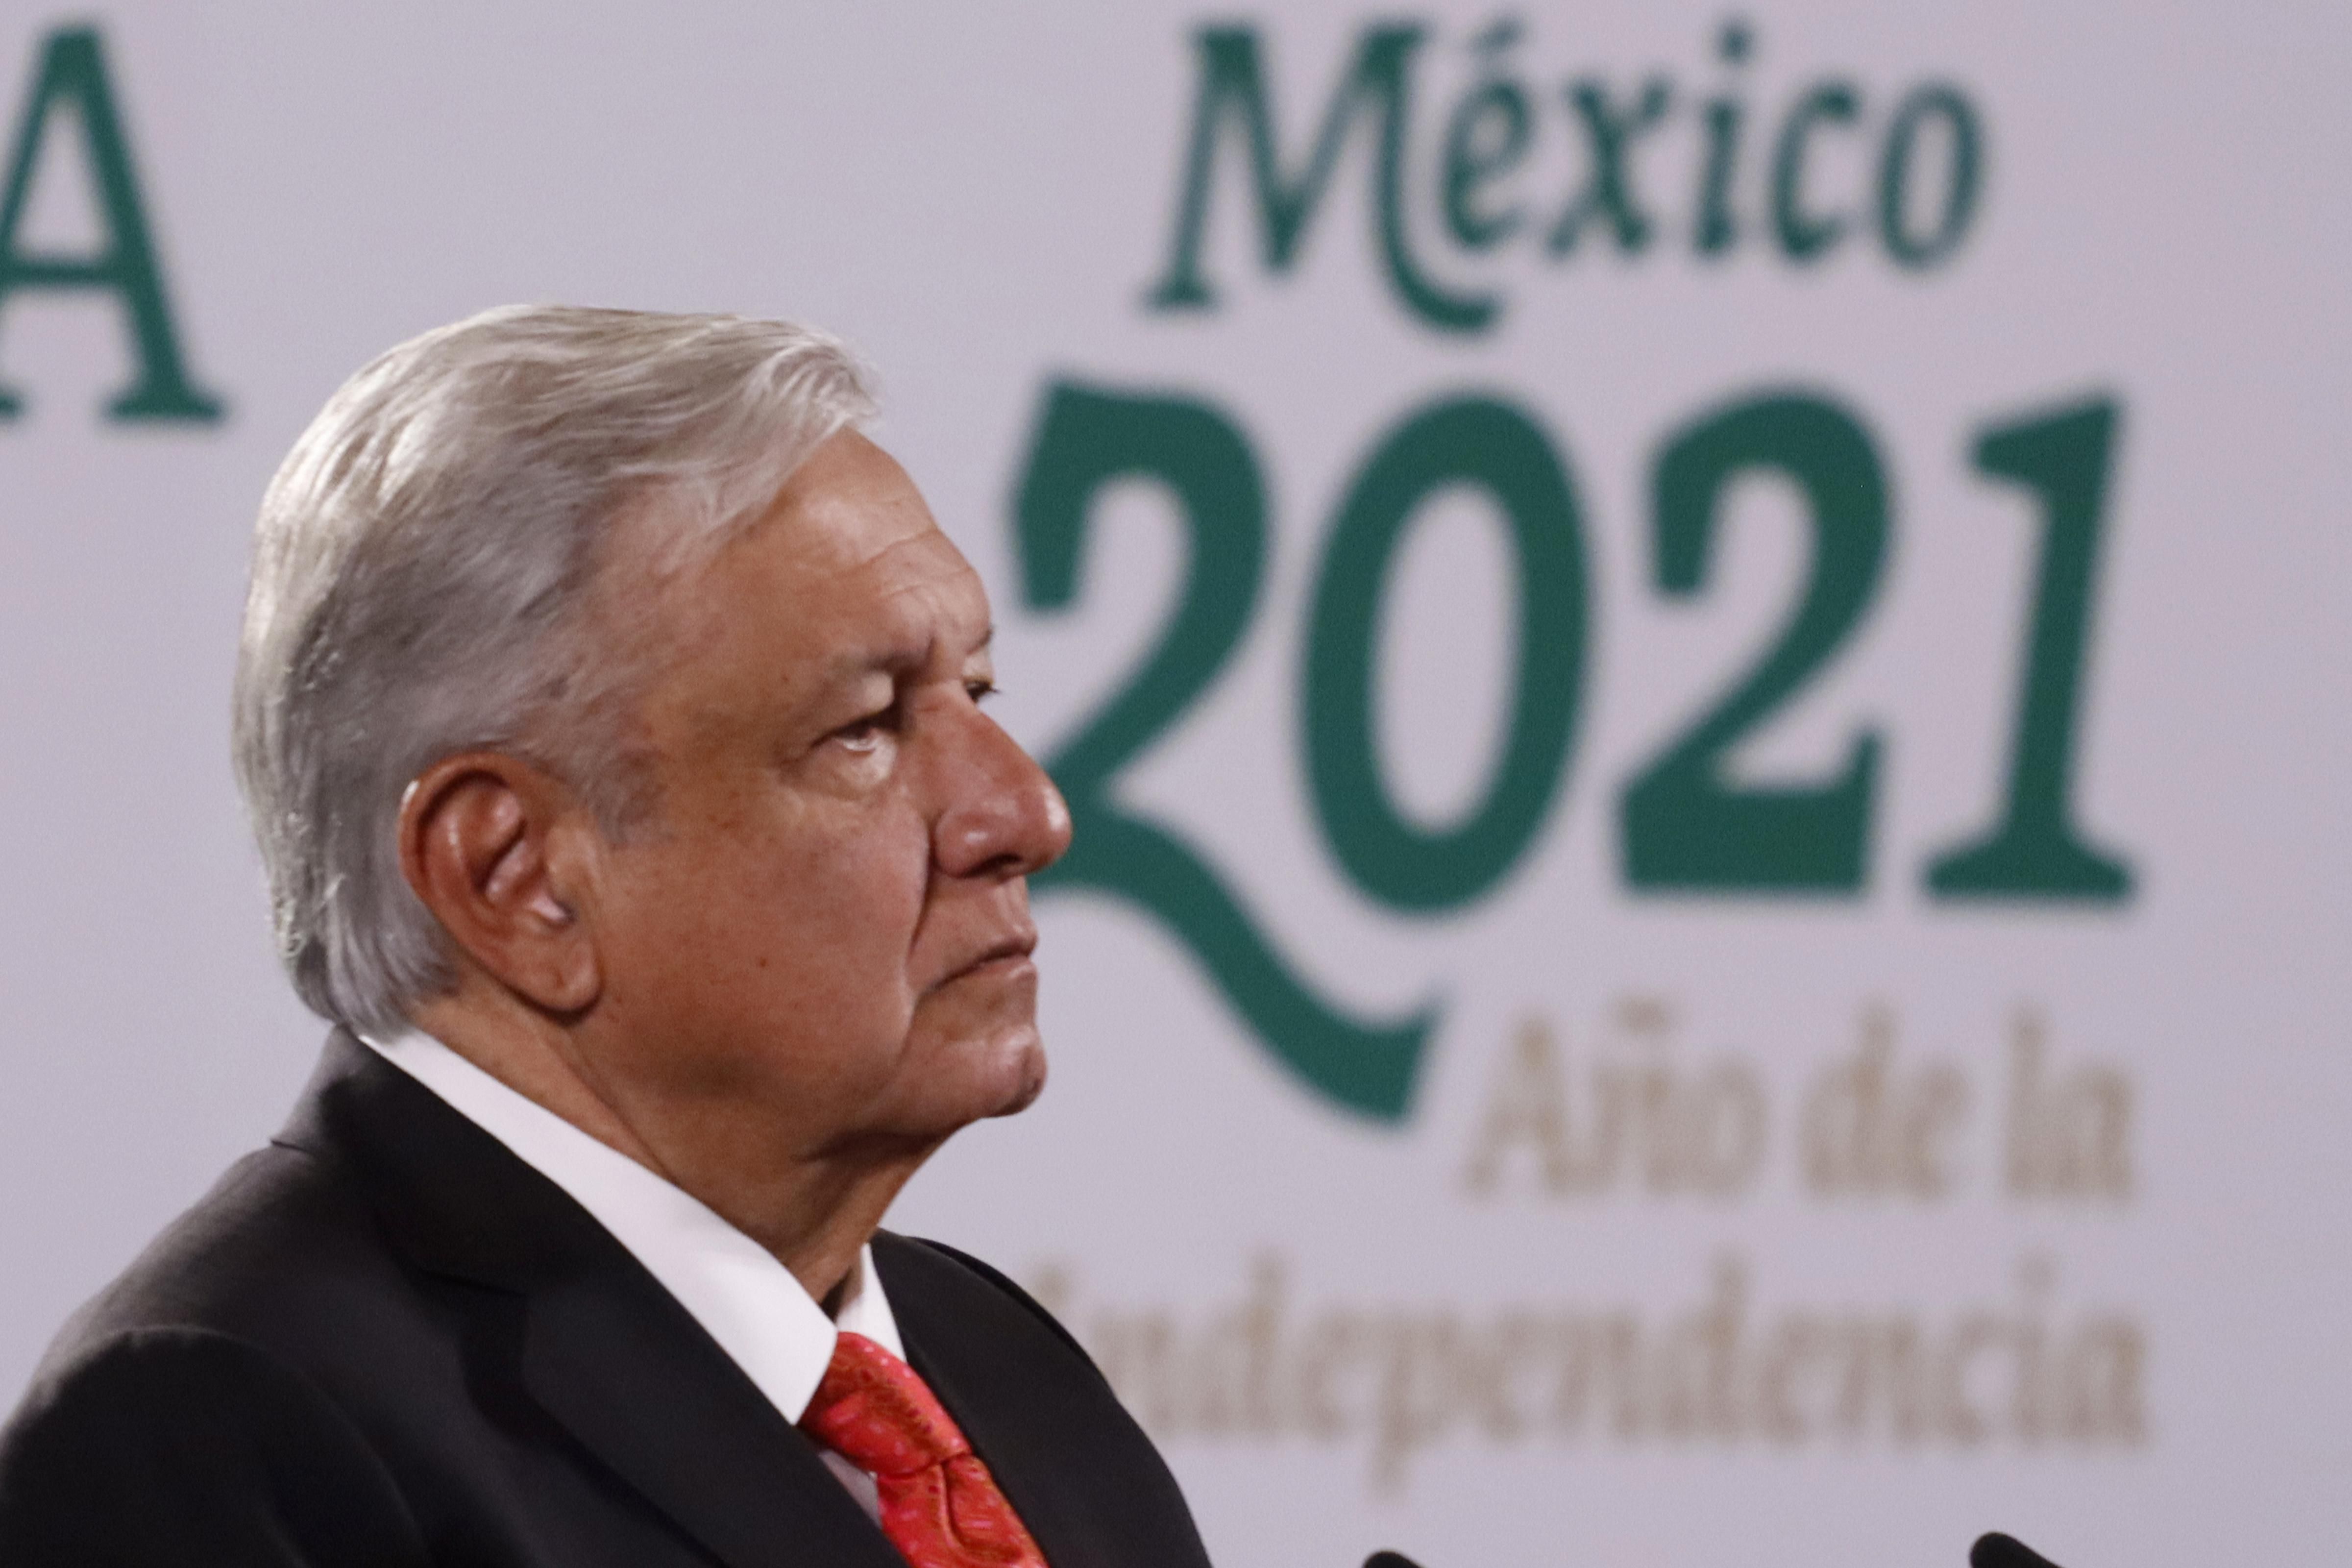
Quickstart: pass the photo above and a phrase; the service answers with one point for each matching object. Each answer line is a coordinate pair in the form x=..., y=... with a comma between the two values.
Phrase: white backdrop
x=1925, y=1213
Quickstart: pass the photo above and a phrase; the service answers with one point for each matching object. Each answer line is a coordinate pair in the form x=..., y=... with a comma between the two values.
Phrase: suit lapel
x=1082, y=1478
x=669, y=1412
x=605, y=1350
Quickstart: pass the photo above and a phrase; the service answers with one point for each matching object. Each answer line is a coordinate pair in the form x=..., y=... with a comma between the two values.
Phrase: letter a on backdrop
x=71, y=75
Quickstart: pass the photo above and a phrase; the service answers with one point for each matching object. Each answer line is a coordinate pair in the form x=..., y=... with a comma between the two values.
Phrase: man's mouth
x=1012, y=951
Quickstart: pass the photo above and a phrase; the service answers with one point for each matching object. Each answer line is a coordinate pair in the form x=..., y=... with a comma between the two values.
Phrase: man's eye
x=864, y=734
x=980, y=691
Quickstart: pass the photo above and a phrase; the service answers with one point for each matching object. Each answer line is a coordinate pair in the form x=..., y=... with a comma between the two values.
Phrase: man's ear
x=490, y=843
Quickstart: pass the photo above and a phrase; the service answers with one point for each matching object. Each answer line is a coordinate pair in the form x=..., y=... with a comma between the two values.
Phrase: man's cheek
x=875, y=878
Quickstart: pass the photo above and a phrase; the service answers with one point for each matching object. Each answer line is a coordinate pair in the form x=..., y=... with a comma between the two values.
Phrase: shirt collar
x=743, y=1297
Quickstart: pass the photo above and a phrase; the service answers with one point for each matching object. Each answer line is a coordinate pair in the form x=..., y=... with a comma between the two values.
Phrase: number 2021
x=1684, y=828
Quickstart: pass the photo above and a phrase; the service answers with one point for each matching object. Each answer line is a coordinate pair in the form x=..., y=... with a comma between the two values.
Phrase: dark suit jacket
x=386, y=1340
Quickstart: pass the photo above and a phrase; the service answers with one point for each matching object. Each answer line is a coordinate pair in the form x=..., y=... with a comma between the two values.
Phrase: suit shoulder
x=177, y=1444
x=281, y=1231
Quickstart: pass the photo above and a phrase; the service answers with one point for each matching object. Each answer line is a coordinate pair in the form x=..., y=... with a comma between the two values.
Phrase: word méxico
x=1925, y=153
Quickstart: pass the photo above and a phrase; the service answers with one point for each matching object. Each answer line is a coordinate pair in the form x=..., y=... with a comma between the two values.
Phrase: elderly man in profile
x=609, y=710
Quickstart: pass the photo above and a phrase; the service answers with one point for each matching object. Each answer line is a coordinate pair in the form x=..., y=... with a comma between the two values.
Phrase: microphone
x=1991, y=1551
x=1999, y=1550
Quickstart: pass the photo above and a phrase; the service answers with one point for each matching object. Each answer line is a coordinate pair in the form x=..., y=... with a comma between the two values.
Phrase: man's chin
x=976, y=1080
x=1029, y=1084
x=1008, y=1074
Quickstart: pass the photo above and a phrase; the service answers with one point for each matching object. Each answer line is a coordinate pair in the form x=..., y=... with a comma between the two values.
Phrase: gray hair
x=421, y=572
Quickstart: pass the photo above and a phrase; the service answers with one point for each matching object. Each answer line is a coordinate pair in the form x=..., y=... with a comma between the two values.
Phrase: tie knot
x=877, y=1412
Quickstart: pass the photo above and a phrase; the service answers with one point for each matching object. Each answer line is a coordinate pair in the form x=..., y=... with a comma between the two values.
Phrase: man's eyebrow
x=895, y=659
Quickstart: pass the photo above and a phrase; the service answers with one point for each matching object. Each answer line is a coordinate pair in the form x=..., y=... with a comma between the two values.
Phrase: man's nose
x=1004, y=815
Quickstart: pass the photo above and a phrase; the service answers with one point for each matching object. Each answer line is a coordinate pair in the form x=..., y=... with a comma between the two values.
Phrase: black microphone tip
x=1997, y=1551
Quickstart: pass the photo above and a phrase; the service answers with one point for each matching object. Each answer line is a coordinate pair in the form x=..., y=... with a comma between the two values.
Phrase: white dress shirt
x=768, y=1324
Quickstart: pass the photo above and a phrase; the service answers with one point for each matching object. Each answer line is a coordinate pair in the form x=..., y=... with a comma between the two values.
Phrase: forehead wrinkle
x=919, y=616
x=915, y=529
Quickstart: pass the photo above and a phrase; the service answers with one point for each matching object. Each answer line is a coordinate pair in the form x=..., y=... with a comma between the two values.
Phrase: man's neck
x=812, y=1215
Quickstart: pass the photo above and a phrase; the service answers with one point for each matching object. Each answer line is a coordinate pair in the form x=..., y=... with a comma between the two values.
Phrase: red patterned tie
x=940, y=1507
